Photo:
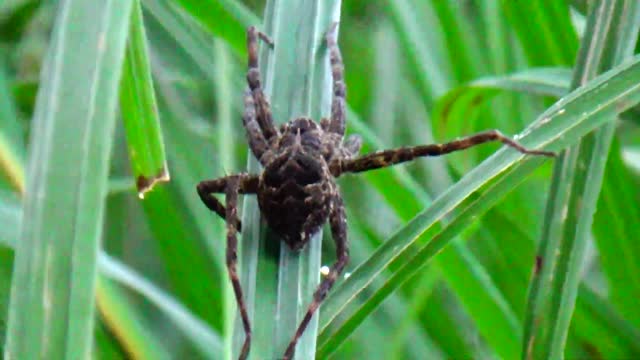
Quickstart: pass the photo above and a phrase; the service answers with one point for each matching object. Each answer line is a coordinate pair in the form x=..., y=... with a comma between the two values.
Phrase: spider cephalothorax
x=297, y=192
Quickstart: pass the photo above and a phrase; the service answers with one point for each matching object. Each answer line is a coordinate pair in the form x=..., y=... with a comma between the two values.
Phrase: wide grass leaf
x=52, y=297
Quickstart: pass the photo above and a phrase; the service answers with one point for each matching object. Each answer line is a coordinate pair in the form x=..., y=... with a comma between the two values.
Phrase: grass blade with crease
x=133, y=337
x=610, y=37
x=51, y=311
x=297, y=81
x=140, y=111
x=570, y=118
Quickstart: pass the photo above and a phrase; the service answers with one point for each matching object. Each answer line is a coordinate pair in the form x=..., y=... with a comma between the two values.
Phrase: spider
x=297, y=190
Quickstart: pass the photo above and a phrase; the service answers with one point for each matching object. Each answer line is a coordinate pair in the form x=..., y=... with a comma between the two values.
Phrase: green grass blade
x=207, y=341
x=616, y=237
x=186, y=32
x=297, y=81
x=113, y=306
x=601, y=329
x=453, y=109
x=11, y=217
x=470, y=280
x=224, y=101
x=422, y=45
x=575, y=188
x=51, y=312
x=12, y=154
x=226, y=18
x=545, y=31
x=564, y=123
x=462, y=47
x=140, y=111
x=126, y=324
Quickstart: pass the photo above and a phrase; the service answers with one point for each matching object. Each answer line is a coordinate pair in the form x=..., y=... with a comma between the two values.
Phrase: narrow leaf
x=575, y=188
x=140, y=111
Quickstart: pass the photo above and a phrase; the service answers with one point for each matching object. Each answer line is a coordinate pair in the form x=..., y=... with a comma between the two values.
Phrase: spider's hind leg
x=263, y=109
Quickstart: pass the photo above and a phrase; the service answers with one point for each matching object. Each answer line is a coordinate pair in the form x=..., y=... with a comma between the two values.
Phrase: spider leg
x=263, y=109
x=233, y=186
x=386, y=158
x=257, y=142
x=337, y=122
x=338, y=221
x=248, y=184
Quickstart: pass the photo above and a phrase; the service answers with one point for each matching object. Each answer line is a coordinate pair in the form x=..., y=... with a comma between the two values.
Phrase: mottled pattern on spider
x=296, y=191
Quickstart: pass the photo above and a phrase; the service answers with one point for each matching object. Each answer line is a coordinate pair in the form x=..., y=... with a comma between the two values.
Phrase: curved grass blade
x=564, y=123
x=140, y=111
x=453, y=109
x=51, y=312
x=206, y=340
x=575, y=189
x=126, y=324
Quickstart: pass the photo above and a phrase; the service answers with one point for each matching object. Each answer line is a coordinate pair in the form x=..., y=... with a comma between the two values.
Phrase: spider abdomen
x=293, y=196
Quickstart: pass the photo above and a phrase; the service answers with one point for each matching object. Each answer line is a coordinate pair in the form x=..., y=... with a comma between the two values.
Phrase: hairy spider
x=297, y=191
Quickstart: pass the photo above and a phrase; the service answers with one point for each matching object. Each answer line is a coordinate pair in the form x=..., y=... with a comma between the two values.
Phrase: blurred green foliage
x=417, y=71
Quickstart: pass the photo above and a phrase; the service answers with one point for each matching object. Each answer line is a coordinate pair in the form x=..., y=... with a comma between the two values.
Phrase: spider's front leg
x=387, y=158
x=248, y=185
x=264, y=117
x=231, y=186
x=336, y=124
x=338, y=222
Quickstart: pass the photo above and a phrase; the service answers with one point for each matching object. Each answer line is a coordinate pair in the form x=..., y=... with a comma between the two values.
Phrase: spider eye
x=302, y=125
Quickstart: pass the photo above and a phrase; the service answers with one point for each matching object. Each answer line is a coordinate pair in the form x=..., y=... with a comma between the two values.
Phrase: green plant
x=445, y=252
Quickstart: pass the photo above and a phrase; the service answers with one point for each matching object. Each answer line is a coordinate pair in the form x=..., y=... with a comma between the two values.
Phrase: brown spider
x=297, y=191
